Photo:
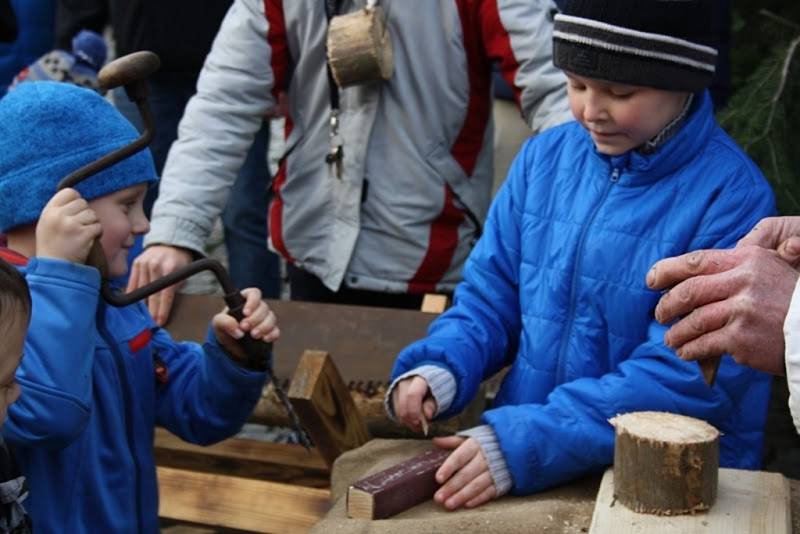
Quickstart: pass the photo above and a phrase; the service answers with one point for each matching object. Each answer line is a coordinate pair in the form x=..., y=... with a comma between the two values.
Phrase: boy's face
x=121, y=215
x=13, y=333
x=621, y=117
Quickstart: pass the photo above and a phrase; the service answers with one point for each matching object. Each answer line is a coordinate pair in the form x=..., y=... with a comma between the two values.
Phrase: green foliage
x=764, y=112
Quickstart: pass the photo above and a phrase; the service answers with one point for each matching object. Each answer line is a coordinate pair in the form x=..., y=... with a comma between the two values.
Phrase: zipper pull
x=615, y=175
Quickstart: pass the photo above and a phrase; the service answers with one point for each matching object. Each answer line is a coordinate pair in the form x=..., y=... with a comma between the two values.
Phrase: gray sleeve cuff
x=487, y=439
x=440, y=381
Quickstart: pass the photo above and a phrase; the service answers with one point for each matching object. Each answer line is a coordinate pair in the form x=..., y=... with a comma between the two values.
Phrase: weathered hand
x=777, y=233
x=67, y=228
x=465, y=474
x=728, y=301
x=259, y=321
x=155, y=262
x=412, y=400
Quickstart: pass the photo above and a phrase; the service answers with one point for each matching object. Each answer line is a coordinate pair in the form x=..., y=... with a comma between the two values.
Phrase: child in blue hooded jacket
x=555, y=288
x=96, y=379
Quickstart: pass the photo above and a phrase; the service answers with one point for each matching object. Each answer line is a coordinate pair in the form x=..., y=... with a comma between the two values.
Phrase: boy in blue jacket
x=555, y=288
x=96, y=379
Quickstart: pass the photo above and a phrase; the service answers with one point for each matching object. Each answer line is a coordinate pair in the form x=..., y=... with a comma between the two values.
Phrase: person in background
x=396, y=215
x=555, y=287
x=79, y=66
x=181, y=33
x=35, y=20
x=8, y=22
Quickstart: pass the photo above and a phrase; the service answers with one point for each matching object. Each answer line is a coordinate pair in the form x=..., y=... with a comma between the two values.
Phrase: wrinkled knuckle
x=695, y=261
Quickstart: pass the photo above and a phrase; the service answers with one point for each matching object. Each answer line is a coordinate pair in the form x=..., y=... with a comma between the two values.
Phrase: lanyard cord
x=332, y=8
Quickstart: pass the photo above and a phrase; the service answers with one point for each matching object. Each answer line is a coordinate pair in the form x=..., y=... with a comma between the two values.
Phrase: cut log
x=665, y=464
x=359, y=49
x=397, y=488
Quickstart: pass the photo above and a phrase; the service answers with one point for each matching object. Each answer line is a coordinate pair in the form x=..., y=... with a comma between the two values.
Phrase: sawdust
x=566, y=510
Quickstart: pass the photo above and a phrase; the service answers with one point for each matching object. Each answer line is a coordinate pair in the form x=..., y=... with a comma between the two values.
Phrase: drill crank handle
x=259, y=357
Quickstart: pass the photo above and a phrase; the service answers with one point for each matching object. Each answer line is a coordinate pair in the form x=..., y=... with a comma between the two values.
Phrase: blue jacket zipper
x=119, y=363
x=562, y=353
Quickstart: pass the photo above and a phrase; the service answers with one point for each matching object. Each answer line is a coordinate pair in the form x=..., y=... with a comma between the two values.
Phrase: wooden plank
x=363, y=341
x=240, y=503
x=278, y=462
x=432, y=303
x=325, y=407
x=747, y=501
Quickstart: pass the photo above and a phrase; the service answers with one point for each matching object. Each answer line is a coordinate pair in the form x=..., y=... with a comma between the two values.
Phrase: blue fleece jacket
x=556, y=289
x=95, y=381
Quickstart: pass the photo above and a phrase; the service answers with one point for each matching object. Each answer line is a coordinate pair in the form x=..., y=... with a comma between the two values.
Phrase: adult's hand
x=155, y=262
x=728, y=301
x=777, y=233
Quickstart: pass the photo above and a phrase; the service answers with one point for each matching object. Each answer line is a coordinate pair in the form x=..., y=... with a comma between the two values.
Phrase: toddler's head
x=47, y=131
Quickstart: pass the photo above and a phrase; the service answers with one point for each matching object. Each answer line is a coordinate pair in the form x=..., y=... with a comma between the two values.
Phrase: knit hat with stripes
x=665, y=44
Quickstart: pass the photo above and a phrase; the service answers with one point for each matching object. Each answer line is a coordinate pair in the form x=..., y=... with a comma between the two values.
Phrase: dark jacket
x=35, y=23
x=179, y=31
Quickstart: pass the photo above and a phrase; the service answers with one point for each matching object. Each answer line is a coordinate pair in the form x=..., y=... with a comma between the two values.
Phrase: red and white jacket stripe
x=417, y=170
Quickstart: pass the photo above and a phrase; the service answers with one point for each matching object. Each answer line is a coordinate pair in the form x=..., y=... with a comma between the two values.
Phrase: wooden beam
x=240, y=503
x=325, y=407
x=363, y=341
x=263, y=460
x=397, y=488
x=433, y=303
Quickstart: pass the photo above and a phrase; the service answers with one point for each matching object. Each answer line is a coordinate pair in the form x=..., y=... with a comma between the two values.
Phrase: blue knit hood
x=47, y=131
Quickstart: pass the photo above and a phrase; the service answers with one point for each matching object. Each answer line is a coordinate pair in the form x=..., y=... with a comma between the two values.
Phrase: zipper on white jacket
x=561, y=362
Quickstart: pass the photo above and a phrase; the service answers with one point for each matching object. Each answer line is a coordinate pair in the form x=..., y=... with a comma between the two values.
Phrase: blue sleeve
x=55, y=374
x=479, y=334
x=569, y=435
x=208, y=397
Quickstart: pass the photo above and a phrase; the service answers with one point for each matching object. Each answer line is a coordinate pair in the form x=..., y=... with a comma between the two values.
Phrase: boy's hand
x=465, y=474
x=412, y=401
x=259, y=321
x=67, y=228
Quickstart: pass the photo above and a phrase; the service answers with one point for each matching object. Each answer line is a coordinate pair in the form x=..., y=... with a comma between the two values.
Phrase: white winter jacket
x=417, y=168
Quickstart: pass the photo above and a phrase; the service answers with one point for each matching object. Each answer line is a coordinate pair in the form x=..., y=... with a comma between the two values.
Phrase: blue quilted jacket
x=95, y=381
x=555, y=288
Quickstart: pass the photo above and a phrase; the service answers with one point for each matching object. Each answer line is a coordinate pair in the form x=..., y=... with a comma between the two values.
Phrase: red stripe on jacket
x=479, y=20
x=441, y=247
x=276, y=207
x=498, y=44
x=13, y=257
x=141, y=340
x=276, y=37
x=469, y=142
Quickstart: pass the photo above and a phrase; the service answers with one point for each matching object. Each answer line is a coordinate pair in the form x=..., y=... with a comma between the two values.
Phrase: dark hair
x=14, y=294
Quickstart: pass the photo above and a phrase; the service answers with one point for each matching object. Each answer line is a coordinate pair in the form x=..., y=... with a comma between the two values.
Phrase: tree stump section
x=665, y=464
x=359, y=49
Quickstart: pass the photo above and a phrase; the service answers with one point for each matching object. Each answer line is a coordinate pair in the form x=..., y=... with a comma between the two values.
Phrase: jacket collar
x=639, y=169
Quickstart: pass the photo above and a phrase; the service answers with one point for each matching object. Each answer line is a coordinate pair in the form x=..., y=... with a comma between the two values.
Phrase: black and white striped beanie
x=665, y=44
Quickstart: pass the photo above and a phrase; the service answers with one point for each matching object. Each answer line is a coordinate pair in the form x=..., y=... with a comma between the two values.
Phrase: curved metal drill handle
x=130, y=71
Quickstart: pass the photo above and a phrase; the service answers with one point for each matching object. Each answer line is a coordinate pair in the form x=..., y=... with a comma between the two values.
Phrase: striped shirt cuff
x=487, y=439
x=441, y=382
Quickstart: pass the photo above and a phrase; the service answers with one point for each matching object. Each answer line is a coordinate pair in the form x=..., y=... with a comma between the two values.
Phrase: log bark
x=359, y=49
x=665, y=464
